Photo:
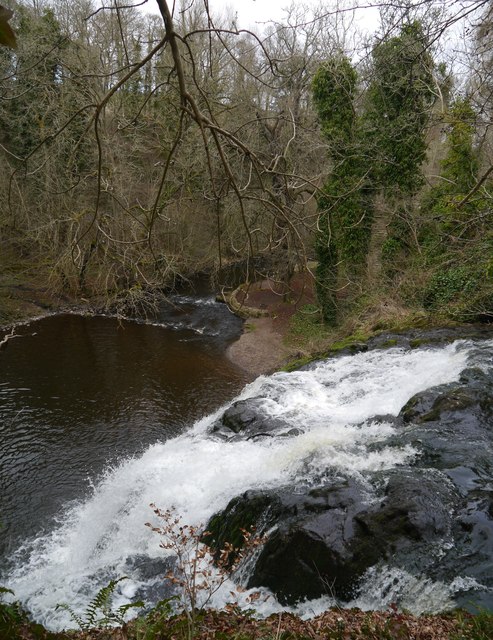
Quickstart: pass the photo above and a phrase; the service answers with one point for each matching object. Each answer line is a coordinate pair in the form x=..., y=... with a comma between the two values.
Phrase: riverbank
x=265, y=345
x=334, y=624
x=278, y=332
x=261, y=348
x=286, y=333
x=24, y=299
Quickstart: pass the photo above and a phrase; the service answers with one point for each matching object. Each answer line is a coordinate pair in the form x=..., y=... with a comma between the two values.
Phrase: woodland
x=139, y=149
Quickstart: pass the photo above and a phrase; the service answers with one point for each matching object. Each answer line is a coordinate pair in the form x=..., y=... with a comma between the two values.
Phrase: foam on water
x=334, y=404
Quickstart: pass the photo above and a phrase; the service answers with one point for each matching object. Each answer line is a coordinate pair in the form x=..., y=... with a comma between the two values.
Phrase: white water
x=334, y=404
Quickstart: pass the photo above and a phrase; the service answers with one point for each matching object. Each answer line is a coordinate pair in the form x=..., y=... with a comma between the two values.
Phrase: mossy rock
x=250, y=511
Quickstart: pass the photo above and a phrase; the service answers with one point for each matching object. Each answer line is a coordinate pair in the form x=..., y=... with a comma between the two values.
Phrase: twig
x=9, y=336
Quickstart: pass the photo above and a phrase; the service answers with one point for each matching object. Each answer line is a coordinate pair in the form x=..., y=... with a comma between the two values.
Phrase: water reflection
x=77, y=393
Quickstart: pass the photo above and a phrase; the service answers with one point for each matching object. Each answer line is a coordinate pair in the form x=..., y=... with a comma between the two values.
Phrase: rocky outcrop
x=317, y=547
x=433, y=517
x=325, y=540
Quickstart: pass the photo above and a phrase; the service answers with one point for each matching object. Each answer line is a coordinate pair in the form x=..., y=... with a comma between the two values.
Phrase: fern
x=11, y=614
x=99, y=612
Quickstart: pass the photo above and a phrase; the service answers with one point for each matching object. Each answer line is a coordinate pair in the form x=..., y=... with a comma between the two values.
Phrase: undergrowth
x=99, y=612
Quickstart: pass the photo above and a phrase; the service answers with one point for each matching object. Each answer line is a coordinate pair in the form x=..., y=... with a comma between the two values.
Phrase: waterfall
x=341, y=408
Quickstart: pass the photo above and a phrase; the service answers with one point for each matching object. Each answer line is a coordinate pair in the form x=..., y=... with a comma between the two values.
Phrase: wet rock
x=429, y=408
x=416, y=338
x=473, y=394
x=147, y=568
x=317, y=546
x=249, y=419
x=415, y=508
x=321, y=550
x=243, y=415
x=148, y=573
x=336, y=535
x=325, y=539
x=474, y=541
x=254, y=510
x=450, y=426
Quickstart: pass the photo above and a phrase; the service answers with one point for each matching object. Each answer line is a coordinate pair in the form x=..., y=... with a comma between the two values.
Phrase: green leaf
x=7, y=36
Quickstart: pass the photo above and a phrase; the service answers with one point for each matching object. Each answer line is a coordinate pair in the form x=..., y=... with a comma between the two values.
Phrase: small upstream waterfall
x=341, y=409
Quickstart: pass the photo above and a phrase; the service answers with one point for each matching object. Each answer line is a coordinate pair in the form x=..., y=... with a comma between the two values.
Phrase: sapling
x=199, y=572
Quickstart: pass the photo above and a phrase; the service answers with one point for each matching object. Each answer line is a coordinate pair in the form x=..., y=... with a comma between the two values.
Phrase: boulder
x=322, y=542
x=316, y=547
x=416, y=508
x=450, y=426
x=246, y=419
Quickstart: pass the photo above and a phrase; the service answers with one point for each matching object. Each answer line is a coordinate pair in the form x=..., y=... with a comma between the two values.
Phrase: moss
x=388, y=343
x=241, y=514
x=297, y=363
x=354, y=343
x=418, y=342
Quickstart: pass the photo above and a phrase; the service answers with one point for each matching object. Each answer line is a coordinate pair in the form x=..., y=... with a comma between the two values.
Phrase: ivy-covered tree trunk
x=345, y=210
x=397, y=108
x=394, y=124
x=379, y=152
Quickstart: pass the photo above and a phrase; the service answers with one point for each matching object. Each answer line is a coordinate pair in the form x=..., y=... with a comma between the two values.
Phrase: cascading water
x=337, y=417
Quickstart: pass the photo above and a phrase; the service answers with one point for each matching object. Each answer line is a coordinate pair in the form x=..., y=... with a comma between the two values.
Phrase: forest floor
x=25, y=294
x=335, y=624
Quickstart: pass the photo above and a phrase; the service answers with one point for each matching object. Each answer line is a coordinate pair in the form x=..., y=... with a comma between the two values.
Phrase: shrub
x=194, y=573
x=447, y=285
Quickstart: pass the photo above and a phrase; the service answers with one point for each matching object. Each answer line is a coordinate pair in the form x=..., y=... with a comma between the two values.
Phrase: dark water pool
x=77, y=393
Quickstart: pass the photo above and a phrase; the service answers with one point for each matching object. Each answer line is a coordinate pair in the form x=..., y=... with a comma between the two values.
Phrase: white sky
x=252, y=13
x=249, y=11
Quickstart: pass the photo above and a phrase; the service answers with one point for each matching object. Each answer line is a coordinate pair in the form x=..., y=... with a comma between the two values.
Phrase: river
x=101, y=418
x=79, y=393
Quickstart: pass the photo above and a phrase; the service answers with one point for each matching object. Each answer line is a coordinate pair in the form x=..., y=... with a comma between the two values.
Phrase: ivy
x=345, y=209
x=460, y=166
x=445, y=214
x=455, y=235
x=445, y=286
x=333, y=93
x=397, y=110
x=381, y=149
x=397, y=247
